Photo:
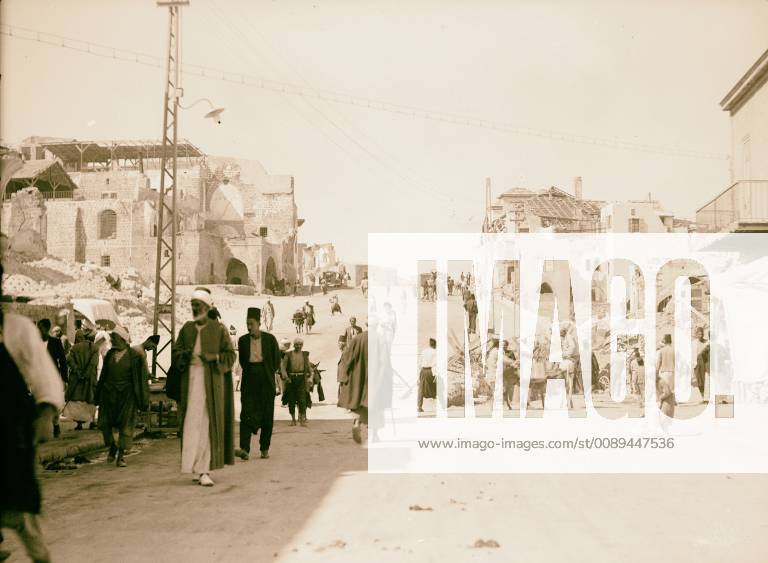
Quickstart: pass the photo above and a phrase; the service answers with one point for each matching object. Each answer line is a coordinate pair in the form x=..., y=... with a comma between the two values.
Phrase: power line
x=242, y=53
x=336, y=97
x=349, y=136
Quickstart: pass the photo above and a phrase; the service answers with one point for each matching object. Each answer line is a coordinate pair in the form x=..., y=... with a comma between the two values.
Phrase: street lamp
x=214, y=114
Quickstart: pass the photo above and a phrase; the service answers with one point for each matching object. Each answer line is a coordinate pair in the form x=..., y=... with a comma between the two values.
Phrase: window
x=107, y=224
x=632, y=212
x=634, y=225
x=108, y=195
x=262, y=231
x=105, y=261
x=39, y=153
x=107, y=181
x=608, y=222
x=26, y=153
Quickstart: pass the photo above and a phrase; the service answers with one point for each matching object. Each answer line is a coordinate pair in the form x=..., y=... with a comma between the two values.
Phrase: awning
x=97, y=311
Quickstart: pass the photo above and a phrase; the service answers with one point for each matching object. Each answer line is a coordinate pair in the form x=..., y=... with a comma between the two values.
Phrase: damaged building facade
x=97, y=202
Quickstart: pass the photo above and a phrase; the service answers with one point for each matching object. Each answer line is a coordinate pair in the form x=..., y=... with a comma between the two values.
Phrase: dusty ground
x=314, y=501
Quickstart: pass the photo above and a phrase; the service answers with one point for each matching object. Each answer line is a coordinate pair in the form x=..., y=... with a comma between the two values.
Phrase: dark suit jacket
x=270, y=352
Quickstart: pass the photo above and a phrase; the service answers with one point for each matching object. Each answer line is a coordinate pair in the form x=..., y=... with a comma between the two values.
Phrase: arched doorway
x=545, y=288
x=237, y=272
x=270, y=274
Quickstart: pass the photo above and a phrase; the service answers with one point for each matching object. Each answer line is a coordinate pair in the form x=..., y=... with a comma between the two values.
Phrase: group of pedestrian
x=105, y=372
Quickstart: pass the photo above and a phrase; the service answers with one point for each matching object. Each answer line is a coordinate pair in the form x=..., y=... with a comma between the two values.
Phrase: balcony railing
x=745, y=202
x=58, y=194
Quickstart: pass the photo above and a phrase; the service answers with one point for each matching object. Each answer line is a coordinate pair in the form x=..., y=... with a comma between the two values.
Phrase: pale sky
x=650, y=72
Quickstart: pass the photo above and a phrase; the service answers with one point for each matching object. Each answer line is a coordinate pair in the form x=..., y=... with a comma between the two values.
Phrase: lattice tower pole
x=164, y=320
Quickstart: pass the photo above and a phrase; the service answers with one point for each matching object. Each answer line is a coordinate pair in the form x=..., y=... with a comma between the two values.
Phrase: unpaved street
x=314, y=501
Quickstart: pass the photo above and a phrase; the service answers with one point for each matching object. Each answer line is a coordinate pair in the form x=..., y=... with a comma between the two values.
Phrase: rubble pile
x=53, y=279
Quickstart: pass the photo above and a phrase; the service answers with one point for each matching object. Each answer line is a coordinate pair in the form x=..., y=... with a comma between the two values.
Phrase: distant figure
x=427, y=388
x=352, y=330
x=62, y=322
x=637, y=375
x=56, y=351
x=340, y=368
x=335, y=306
x=296, y=288
x=471, y=307
x=364, y=286
x=510, y=374
x=237, y=372
x=665, y=377
x=700, y=361
x=309, y=316
x=298, y=320
x=388, y=324
x=83, y=364
x=268, y=314
x=324, y=286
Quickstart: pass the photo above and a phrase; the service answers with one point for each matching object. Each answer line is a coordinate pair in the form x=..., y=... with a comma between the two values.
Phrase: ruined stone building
x=96, y=202
x=316, y=259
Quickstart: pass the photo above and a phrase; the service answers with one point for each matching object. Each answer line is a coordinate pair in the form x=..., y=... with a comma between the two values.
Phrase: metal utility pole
x=164, y=320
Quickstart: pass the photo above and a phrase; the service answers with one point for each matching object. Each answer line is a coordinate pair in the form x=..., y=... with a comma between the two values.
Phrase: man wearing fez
x=203, y=355
x=122, y=390
x=259, y=357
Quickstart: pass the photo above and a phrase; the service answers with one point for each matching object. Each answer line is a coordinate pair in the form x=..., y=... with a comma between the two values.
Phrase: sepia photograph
x=335, y=281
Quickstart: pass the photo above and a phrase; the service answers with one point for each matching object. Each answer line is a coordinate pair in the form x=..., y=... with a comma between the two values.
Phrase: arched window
x=107, y=224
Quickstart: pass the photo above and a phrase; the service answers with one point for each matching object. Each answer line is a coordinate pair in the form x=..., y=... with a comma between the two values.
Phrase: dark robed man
x=259, y=357
x=121, y=392
x=353, y=382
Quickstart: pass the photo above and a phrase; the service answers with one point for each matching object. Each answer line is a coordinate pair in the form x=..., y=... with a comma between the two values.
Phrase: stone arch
x=237, y=272
x=545, y=288
x=107, y=224
x=270, y=274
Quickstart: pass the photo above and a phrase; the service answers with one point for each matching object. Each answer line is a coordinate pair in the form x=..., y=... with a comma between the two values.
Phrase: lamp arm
x=193, y=104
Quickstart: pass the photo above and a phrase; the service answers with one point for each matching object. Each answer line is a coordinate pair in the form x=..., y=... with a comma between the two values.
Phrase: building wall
x=73, y=230
x=615, y=218
x=125, y=184
x=750, y=158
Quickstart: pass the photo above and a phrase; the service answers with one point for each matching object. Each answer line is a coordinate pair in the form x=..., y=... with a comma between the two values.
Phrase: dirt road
x=314, y=501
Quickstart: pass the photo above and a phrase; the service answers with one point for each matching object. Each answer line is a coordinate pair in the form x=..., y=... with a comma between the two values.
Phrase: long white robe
x=196, y=444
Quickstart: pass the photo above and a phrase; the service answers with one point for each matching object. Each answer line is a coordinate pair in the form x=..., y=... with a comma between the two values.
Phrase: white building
x=743, y=206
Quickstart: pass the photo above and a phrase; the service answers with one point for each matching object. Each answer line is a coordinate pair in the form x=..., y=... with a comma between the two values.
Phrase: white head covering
x=203, y=295
x=122, y=332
